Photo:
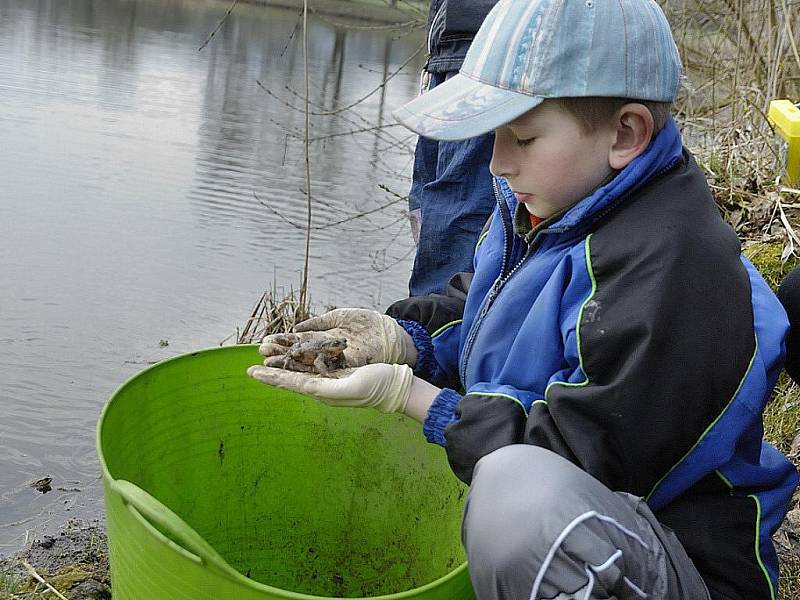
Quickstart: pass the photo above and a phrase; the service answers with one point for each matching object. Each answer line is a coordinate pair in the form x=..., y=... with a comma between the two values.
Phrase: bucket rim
x=120, y=388
x=241, y=579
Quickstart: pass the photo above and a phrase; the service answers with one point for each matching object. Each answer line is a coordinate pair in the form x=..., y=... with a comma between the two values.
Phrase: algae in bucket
x=217, y=486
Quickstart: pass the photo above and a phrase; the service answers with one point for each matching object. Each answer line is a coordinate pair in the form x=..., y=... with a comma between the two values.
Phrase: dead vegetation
x=738, y=56
x=272, y=313
x=72, y=565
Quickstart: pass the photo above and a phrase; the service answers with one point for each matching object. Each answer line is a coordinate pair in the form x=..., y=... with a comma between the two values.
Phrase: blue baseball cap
x=530, y=50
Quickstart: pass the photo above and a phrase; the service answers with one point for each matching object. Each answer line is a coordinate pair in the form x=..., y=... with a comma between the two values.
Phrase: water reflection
x=132, y=163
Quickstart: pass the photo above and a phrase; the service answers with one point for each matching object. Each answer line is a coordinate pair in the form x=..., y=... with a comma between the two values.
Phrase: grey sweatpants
x=538, y=527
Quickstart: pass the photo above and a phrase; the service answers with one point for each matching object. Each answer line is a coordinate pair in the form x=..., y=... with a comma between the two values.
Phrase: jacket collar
x=661, y=155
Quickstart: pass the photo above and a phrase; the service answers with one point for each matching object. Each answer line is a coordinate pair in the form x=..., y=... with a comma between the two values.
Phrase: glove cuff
x=394, y=344
x=426, y=362
x=440, y=415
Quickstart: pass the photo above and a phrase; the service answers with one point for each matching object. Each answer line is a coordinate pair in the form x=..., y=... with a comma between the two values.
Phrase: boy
x=615, y=349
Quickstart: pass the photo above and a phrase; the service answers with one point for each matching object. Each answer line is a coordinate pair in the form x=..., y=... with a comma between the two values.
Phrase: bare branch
x=219, y=25
x=304, y=286
x=414, y=24
x=383, y=84
x=40, y=579
x=347, y=219
x=354, y=131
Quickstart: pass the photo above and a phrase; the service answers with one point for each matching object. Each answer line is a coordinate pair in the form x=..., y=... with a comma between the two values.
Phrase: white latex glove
x=371, y=337
x=380, y=385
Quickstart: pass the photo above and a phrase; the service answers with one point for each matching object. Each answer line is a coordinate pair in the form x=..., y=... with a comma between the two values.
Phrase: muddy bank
x=74, y=562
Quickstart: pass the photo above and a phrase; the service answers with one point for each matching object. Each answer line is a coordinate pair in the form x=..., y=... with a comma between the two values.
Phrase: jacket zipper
x=499, y=282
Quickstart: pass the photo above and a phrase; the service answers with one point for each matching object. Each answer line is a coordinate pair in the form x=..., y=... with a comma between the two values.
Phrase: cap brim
x=462, y=108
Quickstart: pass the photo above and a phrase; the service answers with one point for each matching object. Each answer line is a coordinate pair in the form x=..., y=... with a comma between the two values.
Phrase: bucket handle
x=161, y=520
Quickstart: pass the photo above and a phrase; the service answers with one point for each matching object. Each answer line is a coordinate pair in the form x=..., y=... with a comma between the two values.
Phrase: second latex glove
x=371, y=337
x=382, y=386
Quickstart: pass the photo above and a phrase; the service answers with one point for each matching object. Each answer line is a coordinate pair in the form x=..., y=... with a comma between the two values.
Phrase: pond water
x=152, y=191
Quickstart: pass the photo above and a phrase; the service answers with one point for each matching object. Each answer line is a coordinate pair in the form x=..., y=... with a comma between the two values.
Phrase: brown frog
x=316, y=356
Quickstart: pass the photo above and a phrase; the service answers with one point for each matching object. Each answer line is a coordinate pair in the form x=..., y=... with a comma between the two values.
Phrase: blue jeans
x=450, y=200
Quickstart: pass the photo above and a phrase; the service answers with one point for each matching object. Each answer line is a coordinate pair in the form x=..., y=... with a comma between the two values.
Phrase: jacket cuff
x=440, y=415
x=426, y=361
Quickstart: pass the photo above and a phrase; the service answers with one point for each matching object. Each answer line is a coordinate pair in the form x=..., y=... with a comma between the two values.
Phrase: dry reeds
x=273, y=313
x=738, y=56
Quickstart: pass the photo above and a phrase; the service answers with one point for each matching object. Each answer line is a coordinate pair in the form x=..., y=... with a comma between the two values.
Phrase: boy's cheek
x=540, y=209
x=536, y=210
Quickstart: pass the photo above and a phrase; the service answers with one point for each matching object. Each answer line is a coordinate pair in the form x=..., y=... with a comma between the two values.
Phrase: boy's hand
x=371, y=338
x=382, y=386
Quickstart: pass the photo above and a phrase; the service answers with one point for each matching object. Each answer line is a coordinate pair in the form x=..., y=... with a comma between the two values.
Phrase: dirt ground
x=75, y=562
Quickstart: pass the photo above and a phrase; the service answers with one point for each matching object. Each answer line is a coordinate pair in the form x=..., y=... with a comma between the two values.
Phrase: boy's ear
x=634, y=128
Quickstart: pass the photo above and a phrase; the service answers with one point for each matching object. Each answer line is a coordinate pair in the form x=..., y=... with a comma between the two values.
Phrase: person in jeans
x=451, y=192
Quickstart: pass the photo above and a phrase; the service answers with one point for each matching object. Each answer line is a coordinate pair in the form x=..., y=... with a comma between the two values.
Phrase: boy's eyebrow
x=526, y=120
x=525, y=125
x=519, y=121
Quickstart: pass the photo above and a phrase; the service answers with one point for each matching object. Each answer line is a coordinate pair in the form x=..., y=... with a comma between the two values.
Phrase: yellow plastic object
x=785, y=118
x=218, y=487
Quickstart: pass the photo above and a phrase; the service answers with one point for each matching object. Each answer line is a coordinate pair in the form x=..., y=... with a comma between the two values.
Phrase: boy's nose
x=502, y=164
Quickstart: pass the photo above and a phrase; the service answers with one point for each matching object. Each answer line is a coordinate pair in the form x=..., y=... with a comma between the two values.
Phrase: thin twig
x=253, y=318
x=273, y=316
x=395, y=262
x=788, y=23
x=291, y=35
x=39, y=578
x=360, y=215
x=304, y=286
x=410, y=6
x=276, y=213
x=389, y=26
x=383, y=84
x=383, y=133
x=219, y=25
x=353, y=217
x=794, y=241
x=354, y=131
x=316, y=104
x=386, y=189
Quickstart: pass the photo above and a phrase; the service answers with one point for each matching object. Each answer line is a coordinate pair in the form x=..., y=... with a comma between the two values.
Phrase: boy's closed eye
x=525, y=142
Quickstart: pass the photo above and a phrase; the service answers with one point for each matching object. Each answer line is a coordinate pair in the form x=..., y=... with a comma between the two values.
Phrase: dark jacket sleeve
x=434, y=323
x=482, y=425
x=436, y=310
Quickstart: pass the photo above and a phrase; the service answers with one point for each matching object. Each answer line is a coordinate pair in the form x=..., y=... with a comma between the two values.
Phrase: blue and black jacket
x=629, y=335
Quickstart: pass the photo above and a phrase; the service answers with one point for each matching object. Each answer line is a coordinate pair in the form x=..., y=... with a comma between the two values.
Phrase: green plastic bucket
x=217, y=486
